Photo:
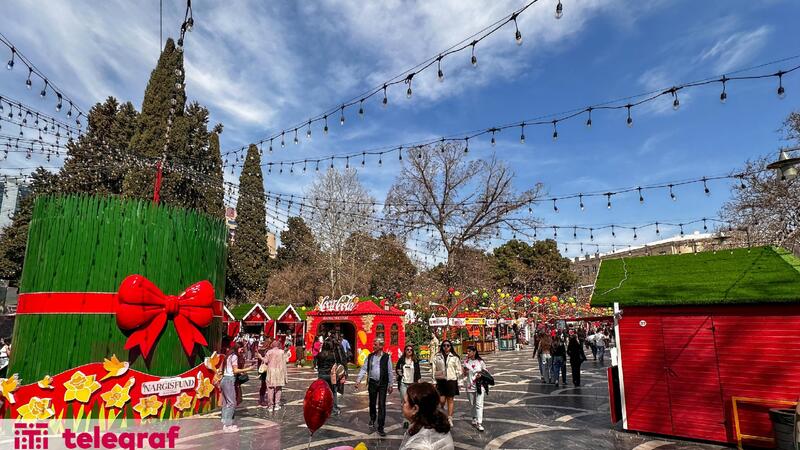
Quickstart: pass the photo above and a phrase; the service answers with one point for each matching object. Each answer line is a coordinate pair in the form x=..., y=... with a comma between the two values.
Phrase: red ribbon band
x=139, y=305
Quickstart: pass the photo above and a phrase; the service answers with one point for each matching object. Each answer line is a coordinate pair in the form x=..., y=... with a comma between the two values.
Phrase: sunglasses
x=446, y=345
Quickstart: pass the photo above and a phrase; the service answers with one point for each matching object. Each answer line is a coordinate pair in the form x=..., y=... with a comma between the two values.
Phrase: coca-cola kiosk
x=360, y=321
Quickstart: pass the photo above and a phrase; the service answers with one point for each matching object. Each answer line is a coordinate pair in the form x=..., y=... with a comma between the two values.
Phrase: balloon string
x=310, y=436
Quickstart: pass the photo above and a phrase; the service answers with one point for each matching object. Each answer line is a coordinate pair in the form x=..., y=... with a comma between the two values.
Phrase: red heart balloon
x=317, y=405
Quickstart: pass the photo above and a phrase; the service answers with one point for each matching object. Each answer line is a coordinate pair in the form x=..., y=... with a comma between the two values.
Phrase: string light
x=522, y=133
x=440, y=74
x=555, y=131
x=589, y=120
x=474, y=59
x=781, y=90
x=676, y=104
x=408, y=82
x=705, y=187
x=723, y=96
x=555, y=207
x=608, y=196
x=630, y=119
x=341, y=118
x=493, y=141
x=559, y=10
x=641, y=197
x=580, y=197
x=672, y=194
x=360, y=110
x=517, y=34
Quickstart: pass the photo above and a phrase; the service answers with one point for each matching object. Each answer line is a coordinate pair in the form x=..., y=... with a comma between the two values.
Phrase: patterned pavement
x=519, y=413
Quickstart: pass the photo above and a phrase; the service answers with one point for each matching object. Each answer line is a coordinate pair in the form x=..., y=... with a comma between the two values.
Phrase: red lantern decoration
x=518, y=298
x=451, y=290
x=317, y=405
x=397, y=295
x=554, y=299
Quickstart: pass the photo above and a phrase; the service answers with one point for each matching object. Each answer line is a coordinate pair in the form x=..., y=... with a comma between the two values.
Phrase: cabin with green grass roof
x=698, y=333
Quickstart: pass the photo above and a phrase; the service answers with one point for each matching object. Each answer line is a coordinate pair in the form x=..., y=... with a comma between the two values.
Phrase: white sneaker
x=474, y=422
x=230, y=429
x=277, y=408
x=479, y=427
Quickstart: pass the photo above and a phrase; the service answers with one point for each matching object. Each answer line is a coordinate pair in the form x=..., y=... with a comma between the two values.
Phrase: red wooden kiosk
x=705, y=341
x=288, y=321
x=253, y=318
x=230, y=324
x=360, y=321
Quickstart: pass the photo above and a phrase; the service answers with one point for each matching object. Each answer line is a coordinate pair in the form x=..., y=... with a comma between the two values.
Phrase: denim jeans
x=601, y=352
x=541, y=365
x=476, y=401
x=403, y=389
x=558, y=363
x=228, y=388
x=547, y=363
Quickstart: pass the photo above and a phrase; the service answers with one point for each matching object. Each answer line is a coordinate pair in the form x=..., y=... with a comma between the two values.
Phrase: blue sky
x=262, y=66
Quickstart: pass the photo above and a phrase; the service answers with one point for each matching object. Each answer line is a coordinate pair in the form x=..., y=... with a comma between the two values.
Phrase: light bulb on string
x=522, y=133
x=676, y=104
x=408, y=91
x=363, y=158
x=559, y=10
x=400, y=153
x=641, y=197
x=705, y=187
x=591, y=234
x=517, y=34
x=580, y=200
x=308, y=130
x=296, y=141
x=43, y=92
x=574, y=232
x=466, y=145
x=635, y=236
x=555, y=131
x=555, y=232
x=493, y=141
x=705, y=227
x=613, y=233
x=283, y=140
x=10, y=64
x=589, y=120
x=29, y=82
x=608, y=196
x=341, y=117
x=385, y=100
x=361, y=109
x=630, y=119
x=325, y=128
x=672, y=194
x=781, y=90
x=440, y=74
x=555, y=206
x=741, y=183
x=723, y=96
x=657, y=230
x=270, y=145
x=681, y=226
x=474, y=59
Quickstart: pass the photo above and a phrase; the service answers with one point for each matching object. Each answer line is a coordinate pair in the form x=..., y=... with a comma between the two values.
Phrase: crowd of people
x=427, y=405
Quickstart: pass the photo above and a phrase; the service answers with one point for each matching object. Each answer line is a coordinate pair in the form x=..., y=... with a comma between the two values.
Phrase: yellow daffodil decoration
x=148, y=406
x=212, y=361
x=184, y=401
x=119, y=395
x=114, y=367
x=204, y=386
x=46, y=382
x=36, y=409
x=80, y=387
x=8, y=386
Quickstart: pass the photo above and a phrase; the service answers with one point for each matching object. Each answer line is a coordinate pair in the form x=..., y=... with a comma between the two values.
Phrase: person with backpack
x=474, y=366
x=230, y=371
x=408, y=373
x=380, y=381
x=559, y=352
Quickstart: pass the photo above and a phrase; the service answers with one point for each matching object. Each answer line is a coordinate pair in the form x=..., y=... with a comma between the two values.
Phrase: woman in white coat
x=446, y=368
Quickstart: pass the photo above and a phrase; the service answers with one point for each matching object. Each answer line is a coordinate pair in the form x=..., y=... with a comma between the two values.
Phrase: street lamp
x=786, y=164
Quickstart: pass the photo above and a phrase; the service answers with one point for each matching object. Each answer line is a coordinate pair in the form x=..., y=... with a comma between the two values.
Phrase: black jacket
x=575, y=352
x=398, y=370
x=486, y=379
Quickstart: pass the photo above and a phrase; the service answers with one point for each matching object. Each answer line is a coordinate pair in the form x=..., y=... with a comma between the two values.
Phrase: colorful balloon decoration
x=317, y=405
x=362, y=337
x=362, y=356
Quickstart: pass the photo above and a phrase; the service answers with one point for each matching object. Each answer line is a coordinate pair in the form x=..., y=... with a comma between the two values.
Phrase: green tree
x=213, y=193
x=95, y=162
x=392, y=269
x=248, y=253
x=163, y=96
x=537, y=268
x=297, y=245
x=14, y=238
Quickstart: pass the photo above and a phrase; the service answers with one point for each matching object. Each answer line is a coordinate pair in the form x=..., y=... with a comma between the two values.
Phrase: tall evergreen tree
x=14, y=238
x=248, y=253
x=212, y=189
x=95, y=160
x=164, y=94
x=297, y=245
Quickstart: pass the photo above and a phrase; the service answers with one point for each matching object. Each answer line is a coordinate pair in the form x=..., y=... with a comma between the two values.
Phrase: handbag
x=337, y=372
x=242, y=378
x=262, y=368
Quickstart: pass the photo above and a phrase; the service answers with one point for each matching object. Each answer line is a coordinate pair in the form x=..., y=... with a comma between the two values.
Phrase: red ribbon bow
x=144, y=308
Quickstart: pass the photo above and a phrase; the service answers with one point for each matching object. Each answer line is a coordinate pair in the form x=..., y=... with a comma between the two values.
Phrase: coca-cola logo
x=345, y=303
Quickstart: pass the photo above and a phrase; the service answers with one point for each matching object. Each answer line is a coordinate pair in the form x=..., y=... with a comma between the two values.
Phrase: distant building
x=12, y=192
x=230, y=222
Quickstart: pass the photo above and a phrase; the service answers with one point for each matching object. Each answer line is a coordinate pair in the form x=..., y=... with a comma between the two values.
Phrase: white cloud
x=737, y=49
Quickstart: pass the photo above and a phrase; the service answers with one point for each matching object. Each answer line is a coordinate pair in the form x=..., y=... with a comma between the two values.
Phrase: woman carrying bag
x=276, y=375
x=446, y=368
x=576, y=358
x=408, y=373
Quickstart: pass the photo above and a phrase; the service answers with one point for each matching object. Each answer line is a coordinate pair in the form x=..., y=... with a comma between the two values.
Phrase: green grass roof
x=758, y=275
x=239, y=311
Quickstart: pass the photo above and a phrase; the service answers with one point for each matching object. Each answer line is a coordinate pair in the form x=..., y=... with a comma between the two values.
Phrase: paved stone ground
x=520, y=413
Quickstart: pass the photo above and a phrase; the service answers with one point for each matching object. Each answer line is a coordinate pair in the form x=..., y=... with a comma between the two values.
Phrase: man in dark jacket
x=380, y=381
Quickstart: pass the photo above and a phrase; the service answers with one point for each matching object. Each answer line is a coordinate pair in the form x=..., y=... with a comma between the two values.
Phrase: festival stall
x=680, y=323
x=289, y=325
x=231, y=326
x=360, y=321
x=253, y=319
x=119, y=313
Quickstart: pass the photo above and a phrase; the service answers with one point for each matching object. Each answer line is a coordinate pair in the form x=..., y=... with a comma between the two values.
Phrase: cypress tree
x=14, y=238
x=297, y=245
x=95, y=161
x=248, y=253
x=212, y=189
x=164, y=93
